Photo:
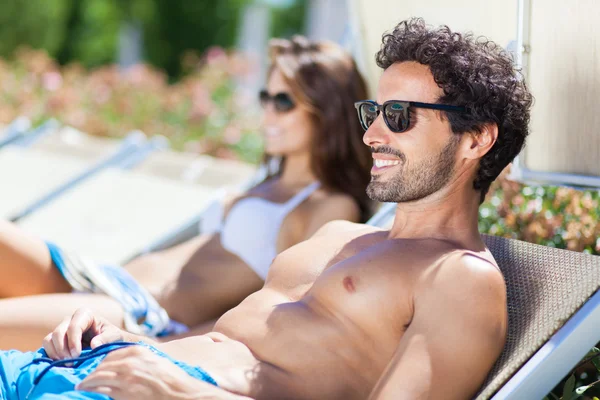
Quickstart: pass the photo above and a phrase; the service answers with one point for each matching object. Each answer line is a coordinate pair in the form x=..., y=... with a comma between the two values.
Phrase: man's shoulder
x=464, y=270
x=476, y=263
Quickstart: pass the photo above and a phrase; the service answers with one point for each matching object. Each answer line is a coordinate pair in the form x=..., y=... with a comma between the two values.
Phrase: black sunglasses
x=282, y=102
x=396, y=113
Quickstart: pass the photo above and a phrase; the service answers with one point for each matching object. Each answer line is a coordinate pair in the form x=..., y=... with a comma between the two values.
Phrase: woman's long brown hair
x=326, y=80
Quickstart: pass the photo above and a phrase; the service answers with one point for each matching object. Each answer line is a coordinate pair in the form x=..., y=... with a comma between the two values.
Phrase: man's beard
x=412, y=182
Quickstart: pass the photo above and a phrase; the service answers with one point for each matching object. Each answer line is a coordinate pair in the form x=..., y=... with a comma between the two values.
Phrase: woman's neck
x=297, y=171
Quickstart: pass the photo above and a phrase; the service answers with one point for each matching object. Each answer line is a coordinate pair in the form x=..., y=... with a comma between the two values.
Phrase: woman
x=309, y=124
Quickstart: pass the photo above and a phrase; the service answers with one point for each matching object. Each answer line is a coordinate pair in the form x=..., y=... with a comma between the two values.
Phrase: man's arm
x=138, y=373
x=129, y=373
x=457, y=332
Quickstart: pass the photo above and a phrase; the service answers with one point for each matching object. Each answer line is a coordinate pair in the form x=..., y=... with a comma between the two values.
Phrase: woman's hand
x=137, y=373
x=82, y=329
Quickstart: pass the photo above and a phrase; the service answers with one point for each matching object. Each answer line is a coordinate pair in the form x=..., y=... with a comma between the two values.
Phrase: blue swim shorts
x=34, y=376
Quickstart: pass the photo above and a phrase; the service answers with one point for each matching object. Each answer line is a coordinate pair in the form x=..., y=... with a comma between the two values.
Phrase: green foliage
x=88, y=30
x=94, y=33
x=568, y=389
x=288, y=21
x=175, y=27
x=39, y=23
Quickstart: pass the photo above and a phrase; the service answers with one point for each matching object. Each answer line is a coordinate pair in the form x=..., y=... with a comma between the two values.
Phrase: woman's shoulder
x=328, y=206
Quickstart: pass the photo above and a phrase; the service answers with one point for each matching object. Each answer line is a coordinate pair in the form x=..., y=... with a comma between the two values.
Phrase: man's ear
x=481, y=142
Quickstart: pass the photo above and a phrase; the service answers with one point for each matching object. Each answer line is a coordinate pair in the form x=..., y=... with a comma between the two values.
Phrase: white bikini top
x=251, y=227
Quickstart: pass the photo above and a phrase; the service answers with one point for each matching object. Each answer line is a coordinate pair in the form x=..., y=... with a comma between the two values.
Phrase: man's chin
x=379, y=191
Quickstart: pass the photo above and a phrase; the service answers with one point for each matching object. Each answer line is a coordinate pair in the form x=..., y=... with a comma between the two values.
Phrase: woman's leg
x=25, y=321
x=26, y=268
x=25, y=265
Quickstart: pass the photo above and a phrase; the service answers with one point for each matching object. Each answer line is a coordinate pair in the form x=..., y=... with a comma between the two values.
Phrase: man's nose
x=377, y=134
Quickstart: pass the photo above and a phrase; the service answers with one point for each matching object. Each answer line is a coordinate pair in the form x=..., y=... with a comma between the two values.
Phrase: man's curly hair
x=475, y=73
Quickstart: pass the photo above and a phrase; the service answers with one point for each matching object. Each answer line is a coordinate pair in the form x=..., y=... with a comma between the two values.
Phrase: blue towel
x=34, y=376
x=143, y=314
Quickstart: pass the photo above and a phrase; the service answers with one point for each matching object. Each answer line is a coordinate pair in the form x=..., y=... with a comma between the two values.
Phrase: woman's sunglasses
x=396, y=113
x=282, y=102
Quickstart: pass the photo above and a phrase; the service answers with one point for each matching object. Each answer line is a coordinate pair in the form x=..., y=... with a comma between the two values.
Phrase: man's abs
x=303, y=349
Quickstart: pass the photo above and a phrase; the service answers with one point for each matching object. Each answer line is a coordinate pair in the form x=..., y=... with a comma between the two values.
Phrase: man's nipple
x=348, y=283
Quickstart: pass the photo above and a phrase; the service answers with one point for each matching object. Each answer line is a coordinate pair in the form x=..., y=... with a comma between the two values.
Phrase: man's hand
x=137, y=373
x=82, y=329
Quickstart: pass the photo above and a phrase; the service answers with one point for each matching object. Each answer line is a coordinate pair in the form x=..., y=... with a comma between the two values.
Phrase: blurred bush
x=87, y=31
x=553, y=216
x=204, y=112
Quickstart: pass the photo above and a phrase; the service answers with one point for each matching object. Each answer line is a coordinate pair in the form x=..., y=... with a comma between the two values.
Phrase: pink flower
x=202, y=104
x=52, y=80
x=215, y=55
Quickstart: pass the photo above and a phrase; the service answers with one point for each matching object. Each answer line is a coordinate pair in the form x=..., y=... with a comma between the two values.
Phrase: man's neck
x=297, y=171
x=450, y=214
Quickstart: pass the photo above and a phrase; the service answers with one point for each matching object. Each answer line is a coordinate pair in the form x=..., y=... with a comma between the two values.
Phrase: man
x=415, y=312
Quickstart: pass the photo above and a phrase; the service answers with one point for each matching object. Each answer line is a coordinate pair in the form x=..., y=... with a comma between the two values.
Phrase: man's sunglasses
x=396, y=113
x=282, y=101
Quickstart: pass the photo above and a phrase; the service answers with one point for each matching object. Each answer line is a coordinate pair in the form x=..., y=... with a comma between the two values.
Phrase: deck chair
x=14, y=130
x=211, y=177
x=38, y=167
x=30, y=136
x=384, y=217
x=113, y=217
x=554, y=317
